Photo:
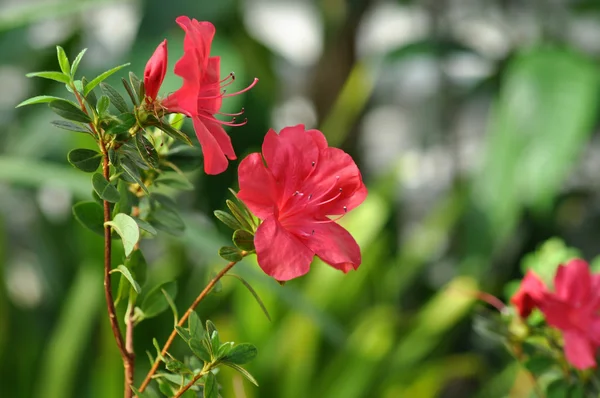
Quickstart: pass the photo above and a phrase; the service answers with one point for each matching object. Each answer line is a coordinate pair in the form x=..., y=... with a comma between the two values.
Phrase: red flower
x=201, y=94
x=155, y=71
x=529, y=295
x=303, y=182
x=573, y=309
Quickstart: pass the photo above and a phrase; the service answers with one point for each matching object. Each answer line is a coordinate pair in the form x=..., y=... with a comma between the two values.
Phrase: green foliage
x=127, y=229
x=104, y=189
x=90, y=215
x=85, y=159
x=154, y=303
x=69, y=111
x=100, y=78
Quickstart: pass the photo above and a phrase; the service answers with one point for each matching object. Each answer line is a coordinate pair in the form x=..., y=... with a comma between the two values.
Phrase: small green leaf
x=176, y=366
x=173, y=132
x=215, y=342
x=539, y=364
x=40, y=99
x=254, y=294
x=115, y=98
x=71, y=126
x=155, y=303
x=243, y=371
x=230, y=253
x=102, y=105
x=136, y=264
x=228, y=219
x=125, y=272
x=121, y=123
x=90, y=215
x=90, y=86
x=130, y=91
x=90, y=98
x=105, y=189
x=171, y=303
x=200, y=350
x=77, y=61
x=195, y=326
x=125, y=203
x=164, y=386
x=146, y=151
x=138, y=86
x=176, y=181
x=148, y=393
x=558, y=389
x=85, y=159
x=176, y=120
x=69, y=111
x=243, y=240
x=211, y=388
x=63, y=61
x=127, y=229
x=57, y=76
x=132, y=172
x=241, y=354
x=146, y=226
x=224, y=350
x=239, y=215
x=183, y=333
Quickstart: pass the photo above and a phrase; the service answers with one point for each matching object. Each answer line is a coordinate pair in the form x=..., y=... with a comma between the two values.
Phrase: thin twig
x=130, y=363
x=184, y=318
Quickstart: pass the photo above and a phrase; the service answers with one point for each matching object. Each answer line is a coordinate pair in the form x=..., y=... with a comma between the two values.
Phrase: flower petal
x=291, y=156
x=209, y=98
x=529, y=295
x=155, y=70
x=279, y=253
x=334, y=245
x=222, y=138
x=572, y=282
x=256, y=186
x=580, y=352
x=193, y=64
x=215, y=161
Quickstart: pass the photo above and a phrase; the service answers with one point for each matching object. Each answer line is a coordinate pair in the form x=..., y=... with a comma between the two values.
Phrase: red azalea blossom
x=155, y=71
x=303, y=182
x=574, y=309
x=529, y=295
x=202, y=92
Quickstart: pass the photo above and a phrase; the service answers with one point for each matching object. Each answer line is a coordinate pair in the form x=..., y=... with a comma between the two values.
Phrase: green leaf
x=155, y=303
x=228, y=219
x=121, y=123
x=77, y=61
x=215, y=342
x=148, y=393
x=176, y=120
x=124, y=205
x=223, y=350
x=195, y=326
x=132, y=172
x=171, y=303
x=173, y=132
x=146, y=151
x=105, y=189
x=102, y=105
x=115, y=98
x=57, y=76
x=63, y=61
x=130, y=91
x=239, y=215
x=211, y=388
x=125, y=272
x=199, y=349
x=558, y=389
x=90, y=86
x=85, y=159
x=243, y=371
x=176, y=181
x=230, y=253
x=71, y=126
x=146, y=226
x=164, y=386
x=243, y=240
x=538, y=365
x=138, y=86
x=185, y=158
x=136, y=264
x=127, y=229
x=69, y=111
x=183, y=333
x=90, y=98
x=241, y=354
x=90, y=215
x=176, y=366
x=253, y=292
x=40, y=99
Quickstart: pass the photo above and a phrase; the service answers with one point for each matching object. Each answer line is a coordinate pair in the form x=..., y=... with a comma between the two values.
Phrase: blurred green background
x=473, y=122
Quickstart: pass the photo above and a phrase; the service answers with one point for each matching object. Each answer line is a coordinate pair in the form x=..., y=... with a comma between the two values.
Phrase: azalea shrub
x=286, y=210
x=552, y=322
